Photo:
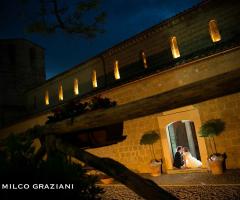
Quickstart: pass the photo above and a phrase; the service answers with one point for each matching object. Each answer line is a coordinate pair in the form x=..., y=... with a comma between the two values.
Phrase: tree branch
x=57, y=14
x=141, y=186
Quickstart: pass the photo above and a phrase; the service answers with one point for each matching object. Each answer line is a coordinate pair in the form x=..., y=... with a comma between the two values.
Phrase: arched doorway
x=183, y=133
x=188, y=114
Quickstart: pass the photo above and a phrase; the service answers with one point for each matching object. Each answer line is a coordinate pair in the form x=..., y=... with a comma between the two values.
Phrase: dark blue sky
x=125, y=18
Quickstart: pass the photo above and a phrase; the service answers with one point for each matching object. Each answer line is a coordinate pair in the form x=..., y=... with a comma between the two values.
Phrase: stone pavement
x=192, y=186
x=207, y=192
x=200, y=178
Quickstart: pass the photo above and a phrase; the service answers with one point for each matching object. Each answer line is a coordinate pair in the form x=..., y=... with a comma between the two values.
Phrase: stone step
x=186, y=171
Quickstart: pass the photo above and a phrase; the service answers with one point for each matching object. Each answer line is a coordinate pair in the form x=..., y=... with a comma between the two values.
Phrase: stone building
x=22, y=67
x=196, y=44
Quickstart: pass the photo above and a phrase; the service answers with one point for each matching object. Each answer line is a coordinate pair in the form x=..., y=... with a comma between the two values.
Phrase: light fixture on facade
x=75, y=86
x=94, y=79
x=60, y=92
x=116, y=70
x=144, y=59
x=46, y=98
x=214, y=31
x=174, y=47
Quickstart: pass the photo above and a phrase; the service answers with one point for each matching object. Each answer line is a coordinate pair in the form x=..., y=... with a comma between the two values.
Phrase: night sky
x=125, y=18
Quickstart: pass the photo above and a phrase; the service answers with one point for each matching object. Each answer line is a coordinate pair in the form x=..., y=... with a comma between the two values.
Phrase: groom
x=178, y=158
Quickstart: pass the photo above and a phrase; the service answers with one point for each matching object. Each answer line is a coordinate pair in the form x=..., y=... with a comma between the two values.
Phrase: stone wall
x=22, y=67
x=175, y=77
x=130, y=152
x=137, y=157
x=155, y=40
x=166, y=81
x=226, y=108
x=190, y=29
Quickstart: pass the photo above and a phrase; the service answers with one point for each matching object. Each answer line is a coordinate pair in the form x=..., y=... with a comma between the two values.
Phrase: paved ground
x=194, y=186
x=209, y=192
x=229, y=177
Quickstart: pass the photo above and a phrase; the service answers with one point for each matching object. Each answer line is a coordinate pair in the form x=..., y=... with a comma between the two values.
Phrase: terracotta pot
x=106, y=181
x=216, y=166
x=155, y=169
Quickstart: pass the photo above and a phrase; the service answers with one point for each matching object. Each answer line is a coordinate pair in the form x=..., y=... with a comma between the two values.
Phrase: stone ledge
x=186, y=171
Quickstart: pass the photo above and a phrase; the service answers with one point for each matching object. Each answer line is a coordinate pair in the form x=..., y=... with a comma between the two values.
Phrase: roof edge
x=162, y=23
x=22, y=39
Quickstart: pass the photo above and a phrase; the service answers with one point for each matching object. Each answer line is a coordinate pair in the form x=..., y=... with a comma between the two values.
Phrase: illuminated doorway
x=182, y=133
x=185, y=114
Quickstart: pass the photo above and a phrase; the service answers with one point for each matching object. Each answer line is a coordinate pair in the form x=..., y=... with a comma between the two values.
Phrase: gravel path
x=190, y=186
x=207, y=192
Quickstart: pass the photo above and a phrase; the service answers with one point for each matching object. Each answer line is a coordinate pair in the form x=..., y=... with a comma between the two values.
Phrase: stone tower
x=21, y=68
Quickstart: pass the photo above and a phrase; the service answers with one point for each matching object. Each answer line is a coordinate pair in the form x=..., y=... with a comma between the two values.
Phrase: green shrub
x=149, y=138
x=212, y=128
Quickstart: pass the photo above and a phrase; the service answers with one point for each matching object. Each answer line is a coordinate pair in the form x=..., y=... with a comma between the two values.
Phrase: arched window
x=144, y=59
x=174, y=47
x=116, y=70
x=60, y=92
x=214, y=31
x=46, y=98
x=75, y=86
x=94, y=78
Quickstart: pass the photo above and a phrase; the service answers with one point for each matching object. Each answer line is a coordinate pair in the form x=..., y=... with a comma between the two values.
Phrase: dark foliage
x=212, y=128
x=82, y=17
x=149, y=138
x=73, y=108
x=98, y=102
x=18, y=165
x=69, y=110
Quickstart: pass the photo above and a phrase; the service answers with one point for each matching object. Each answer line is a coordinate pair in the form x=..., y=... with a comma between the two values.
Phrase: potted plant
x=210, y=129
x=149, y=138
x=99, y=102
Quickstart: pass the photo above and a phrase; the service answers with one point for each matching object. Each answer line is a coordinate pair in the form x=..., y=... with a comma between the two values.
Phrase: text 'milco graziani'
x=37, y=186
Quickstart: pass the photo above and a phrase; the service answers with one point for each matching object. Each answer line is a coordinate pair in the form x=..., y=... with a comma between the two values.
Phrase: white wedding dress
x=191, y=162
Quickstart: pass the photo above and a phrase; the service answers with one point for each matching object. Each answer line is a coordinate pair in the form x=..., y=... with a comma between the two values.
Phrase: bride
x=189, y=160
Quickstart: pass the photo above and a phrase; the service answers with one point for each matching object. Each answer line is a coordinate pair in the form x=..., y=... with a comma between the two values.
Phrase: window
x=94, y=79
x=60, y=92
x=213, y=30
x=116, y=70
x=46, y=98
x=75, y=86
x=144, y=59
x=174, y=47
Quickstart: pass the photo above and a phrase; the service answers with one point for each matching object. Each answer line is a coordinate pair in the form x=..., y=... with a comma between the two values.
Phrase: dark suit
x=178, y=160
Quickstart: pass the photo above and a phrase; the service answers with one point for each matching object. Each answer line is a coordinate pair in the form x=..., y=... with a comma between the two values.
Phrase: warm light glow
x=144, y=59
x=174, y=47
x=116, y=70
x=94, y=78
x=75, y=86
x=60, y=92
x=213, y=30
x=46, y=98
